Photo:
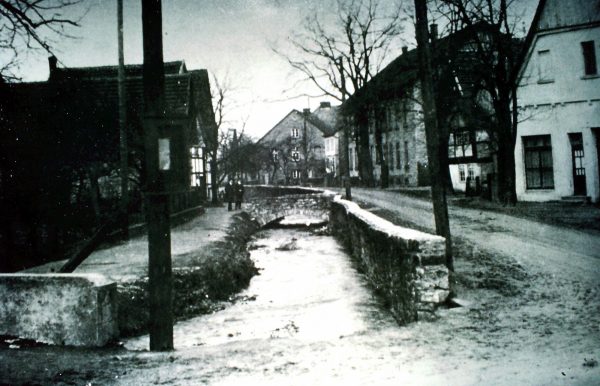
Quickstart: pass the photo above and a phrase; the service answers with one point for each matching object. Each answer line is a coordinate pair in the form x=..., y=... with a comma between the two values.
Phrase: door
x=579, y=188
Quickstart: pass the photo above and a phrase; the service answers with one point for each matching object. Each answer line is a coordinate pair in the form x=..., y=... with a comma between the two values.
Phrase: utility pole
x=157, y=164
x=438, y=189
x=305, y=114
x=123, y=128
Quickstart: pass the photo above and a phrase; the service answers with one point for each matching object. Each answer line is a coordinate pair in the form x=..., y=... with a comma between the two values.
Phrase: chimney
x=52, y=61
x=325, y=105
x=433, y=32
x=306, y=111
x=404, y=50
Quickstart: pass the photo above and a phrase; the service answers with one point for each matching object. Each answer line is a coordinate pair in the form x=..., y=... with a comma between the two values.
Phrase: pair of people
x=234, y=193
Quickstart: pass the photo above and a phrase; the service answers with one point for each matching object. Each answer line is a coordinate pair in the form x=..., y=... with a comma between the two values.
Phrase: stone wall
x=62, y=309
x=406, y=267
x=265, y=204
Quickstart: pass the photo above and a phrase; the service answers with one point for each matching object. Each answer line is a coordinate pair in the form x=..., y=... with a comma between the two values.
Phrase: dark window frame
x=590, y=65
x=537, y=150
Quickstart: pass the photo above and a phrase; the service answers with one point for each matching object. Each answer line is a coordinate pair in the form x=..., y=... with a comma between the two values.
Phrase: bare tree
x=340, y=56
x=215, y=138
x=497, y=56
x=29, y=25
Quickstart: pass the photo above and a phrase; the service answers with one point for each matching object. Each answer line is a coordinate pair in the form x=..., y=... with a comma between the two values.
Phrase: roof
x=556, y=14
x=312, y=118
x=326, y=116
x=83, y=109
x=399, y=77
x=566, y=13
x=103, y=72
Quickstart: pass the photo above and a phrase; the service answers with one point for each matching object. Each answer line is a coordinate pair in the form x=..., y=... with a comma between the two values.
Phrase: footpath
x=129, y=260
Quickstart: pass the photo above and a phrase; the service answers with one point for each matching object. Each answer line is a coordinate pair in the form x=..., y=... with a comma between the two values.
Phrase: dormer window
x=589, y=58
x=295, y=133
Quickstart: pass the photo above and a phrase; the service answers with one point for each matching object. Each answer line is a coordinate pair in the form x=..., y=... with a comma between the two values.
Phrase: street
x=530, y=315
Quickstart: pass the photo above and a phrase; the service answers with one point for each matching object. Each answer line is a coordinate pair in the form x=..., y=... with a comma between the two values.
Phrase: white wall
x=568, y=103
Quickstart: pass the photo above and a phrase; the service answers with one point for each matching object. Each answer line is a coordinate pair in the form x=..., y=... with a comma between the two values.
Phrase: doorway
x=579, y=182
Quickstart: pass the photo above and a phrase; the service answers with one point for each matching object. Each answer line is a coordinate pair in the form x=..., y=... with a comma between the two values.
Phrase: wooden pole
x=160, y=281
x=123, y=128
x=436, y=169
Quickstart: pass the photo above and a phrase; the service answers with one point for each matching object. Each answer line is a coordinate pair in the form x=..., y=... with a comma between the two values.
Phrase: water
x=309, y=317
x=310, y=293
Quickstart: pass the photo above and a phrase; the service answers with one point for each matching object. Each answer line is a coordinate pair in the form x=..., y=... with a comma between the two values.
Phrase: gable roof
x=83, y=109
x=103, y=72
x=567, y=13
x=553, y=15
x=311, y=118
x=398, y=77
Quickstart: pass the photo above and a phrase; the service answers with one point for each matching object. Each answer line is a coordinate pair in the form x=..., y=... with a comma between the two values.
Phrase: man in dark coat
x=229, y=194
x=239, y=194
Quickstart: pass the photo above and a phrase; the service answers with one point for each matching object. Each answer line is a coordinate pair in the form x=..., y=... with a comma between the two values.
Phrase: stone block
x=60, y=309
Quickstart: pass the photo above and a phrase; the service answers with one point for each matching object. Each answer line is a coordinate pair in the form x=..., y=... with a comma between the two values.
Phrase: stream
x=310, y=292
x=309, y=316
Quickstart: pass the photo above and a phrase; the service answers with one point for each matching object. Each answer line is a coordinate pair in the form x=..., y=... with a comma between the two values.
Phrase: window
x=545, y=71
x=589, y=57
x=390, y=156
x=295, y=155
x=355, y=153
x=295, y=133
x=461, y=173
x=398, y=161
x=275, y=155
x=470, y=172
x=295, y=174
x=459, y=144
x=197, y=159
x=539, y=173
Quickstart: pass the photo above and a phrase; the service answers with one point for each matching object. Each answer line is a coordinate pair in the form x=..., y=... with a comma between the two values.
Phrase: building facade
x=395, y=124
x=60, y=160
x=295, y=151
x=557, y=145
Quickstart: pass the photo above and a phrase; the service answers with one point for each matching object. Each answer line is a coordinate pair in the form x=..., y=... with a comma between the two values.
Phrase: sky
x=232, y=39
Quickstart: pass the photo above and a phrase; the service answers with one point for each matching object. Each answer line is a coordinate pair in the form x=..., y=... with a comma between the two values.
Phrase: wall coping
x=93, y=279
x=385, y=226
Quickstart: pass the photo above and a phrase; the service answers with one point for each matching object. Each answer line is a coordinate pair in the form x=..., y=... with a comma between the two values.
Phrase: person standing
x=239, y=194
x=229, y=194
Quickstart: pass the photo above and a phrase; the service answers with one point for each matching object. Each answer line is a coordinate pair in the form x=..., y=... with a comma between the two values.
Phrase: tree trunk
x=214, y=178
x=379, y=152
x=506, y=166
x=365, y=163
x=438, y=193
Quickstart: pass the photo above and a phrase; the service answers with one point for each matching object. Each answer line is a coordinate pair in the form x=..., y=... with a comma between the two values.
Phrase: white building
x=557, y=144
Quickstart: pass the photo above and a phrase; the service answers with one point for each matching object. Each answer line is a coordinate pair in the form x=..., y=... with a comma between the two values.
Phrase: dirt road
x=549, y=248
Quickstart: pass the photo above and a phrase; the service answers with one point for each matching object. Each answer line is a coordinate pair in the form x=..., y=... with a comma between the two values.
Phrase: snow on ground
x=531, y=317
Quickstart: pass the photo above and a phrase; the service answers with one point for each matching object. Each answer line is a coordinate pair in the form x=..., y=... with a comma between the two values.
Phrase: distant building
x=558, y=139
x=394, y=118
x=331, y=137
x=295, y=147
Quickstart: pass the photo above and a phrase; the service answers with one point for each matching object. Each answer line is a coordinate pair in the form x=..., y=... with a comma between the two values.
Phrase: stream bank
x=204, y=280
